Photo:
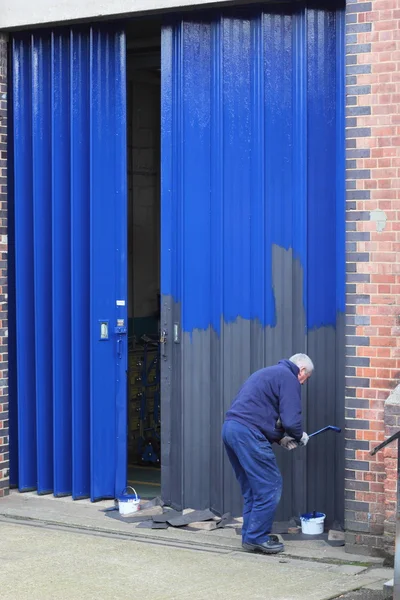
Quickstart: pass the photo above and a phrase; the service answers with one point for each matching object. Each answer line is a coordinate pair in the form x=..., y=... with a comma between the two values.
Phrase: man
x=266, y=410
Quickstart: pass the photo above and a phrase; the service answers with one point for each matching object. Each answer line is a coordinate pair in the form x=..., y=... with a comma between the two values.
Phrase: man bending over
x=266, y=410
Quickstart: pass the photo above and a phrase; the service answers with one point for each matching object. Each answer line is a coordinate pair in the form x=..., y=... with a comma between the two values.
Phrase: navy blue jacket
x=269, y=394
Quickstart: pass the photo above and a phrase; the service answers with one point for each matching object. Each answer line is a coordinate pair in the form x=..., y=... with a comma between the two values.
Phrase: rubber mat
x=196, y=516
x=226, y=519
x=152, y=525
x=117, y=517
x=303, y=537
x=136, y=517
x=150, y=503
x=169, y=514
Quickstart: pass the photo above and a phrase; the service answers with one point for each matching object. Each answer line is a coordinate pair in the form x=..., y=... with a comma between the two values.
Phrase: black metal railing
x=396, y=580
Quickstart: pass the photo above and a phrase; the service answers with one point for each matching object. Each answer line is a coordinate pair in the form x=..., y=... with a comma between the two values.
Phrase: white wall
x=22, y=13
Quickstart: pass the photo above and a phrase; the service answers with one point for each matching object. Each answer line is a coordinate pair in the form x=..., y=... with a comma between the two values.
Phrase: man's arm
x=290, y=406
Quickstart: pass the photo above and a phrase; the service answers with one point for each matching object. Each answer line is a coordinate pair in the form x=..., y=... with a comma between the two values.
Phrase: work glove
x=288, y=443
x=304, y=439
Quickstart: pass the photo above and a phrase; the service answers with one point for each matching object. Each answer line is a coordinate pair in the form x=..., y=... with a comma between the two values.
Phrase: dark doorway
x=143, y=138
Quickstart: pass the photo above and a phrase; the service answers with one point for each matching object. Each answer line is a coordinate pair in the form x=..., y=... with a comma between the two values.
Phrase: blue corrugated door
x=252, y=238
x=69, y=153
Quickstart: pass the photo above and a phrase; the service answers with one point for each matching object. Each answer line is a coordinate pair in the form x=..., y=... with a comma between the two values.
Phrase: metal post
x=396, y=582
x=396, y=578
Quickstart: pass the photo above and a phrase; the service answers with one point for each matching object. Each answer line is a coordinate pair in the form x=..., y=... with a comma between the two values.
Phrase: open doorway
x=143, y=138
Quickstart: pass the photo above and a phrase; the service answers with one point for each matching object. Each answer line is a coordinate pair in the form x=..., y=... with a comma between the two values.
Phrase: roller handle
x=328, y=428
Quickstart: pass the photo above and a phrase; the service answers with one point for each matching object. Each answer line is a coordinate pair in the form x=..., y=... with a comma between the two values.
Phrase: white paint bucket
x=128, y=503
x=312, y=523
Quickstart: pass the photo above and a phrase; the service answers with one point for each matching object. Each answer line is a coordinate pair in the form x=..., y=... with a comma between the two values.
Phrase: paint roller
x=327, y=428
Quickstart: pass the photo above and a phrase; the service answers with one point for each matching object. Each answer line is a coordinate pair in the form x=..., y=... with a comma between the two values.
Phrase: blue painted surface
x=322, y=167
x=250, y=140
x=108, y=266
x=24, y=252
x=61, y=264
x=43, y=245
x=80, y=254
x=69, y=118
x=251, y=134
x=121, y=257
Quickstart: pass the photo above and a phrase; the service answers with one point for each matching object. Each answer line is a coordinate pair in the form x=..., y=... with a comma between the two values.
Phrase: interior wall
x=144, y=198
x=144, y=95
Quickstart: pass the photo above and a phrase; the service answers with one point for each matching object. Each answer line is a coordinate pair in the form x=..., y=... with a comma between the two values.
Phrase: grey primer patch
x=380, y=218
x=200, y=378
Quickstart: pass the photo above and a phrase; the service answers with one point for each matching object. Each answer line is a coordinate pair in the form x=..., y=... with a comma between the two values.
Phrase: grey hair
x=303, y=361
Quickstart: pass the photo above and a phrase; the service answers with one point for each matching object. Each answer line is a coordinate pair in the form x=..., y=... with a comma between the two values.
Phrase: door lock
x=103, y=331
x=163, y=342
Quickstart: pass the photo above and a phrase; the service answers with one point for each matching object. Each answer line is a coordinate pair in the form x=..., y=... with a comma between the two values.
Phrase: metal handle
x=125, y=491
x=119, y=347
x=163, y=342
x=328, y=428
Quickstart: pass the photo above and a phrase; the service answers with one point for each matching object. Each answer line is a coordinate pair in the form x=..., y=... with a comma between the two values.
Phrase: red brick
x=383, y=26
x=383, y=341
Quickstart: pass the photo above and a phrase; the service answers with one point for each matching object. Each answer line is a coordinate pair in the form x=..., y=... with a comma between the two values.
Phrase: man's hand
x=288, y=443
x=304, y=439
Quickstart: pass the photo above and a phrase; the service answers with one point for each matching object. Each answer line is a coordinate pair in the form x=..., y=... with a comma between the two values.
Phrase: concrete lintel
x=22, y=13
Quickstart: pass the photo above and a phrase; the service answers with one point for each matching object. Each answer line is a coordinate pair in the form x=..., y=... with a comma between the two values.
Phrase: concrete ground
x=60, y=549
x=364, y=595
x=43, y=563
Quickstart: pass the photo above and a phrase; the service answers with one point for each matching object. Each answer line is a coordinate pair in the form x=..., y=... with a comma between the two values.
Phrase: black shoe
x=274, y=538
x=272, y=546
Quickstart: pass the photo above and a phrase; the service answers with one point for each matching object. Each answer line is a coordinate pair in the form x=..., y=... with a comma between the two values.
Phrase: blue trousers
x=256, y=470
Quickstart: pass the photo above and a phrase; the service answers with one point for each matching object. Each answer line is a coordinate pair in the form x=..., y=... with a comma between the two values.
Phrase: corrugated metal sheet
x=252, y=248
x=69, y=214
x=252, y=239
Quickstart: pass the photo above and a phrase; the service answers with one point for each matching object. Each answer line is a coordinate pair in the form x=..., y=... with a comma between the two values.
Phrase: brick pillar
x=373, y=259
x=390, y=453
x=4, y=456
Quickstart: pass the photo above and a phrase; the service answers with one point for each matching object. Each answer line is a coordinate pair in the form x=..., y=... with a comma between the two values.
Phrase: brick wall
x=4, y=459
x=373, y=261
x=392, y=425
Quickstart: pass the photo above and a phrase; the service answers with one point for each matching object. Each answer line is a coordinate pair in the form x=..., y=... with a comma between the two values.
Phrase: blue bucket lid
x=309, y=516
x=124, y=497
x=127, y=497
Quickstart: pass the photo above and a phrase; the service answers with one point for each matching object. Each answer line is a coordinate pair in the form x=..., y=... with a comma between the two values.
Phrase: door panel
x=62, y=266
x=69, y=120
x=24, y=266
x=80, y=256
x=42, y=224
x=252, y=243
x=108, y=207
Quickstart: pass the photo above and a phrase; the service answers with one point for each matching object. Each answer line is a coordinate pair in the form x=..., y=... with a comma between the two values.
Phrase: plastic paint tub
x=128, y=503
x=312, y=523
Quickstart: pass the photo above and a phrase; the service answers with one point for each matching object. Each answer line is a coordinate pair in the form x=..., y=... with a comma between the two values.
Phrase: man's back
x=269, y=394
